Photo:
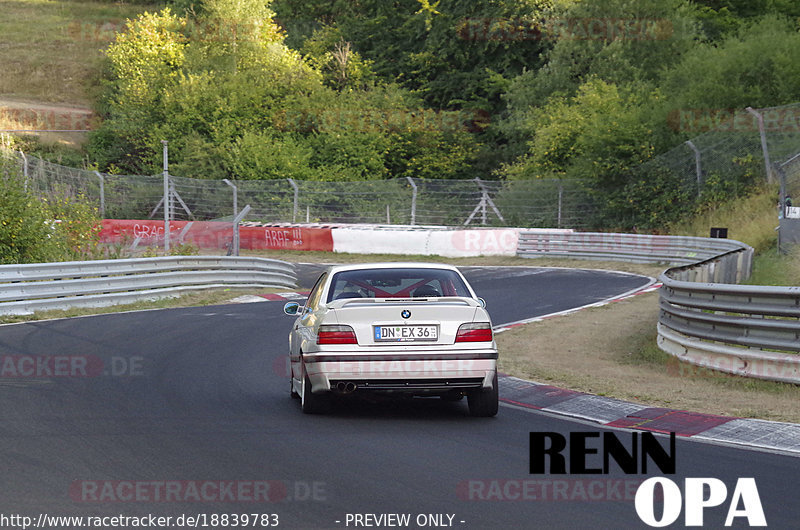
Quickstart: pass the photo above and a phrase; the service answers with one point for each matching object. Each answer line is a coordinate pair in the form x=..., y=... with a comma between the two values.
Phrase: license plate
x=415, y=333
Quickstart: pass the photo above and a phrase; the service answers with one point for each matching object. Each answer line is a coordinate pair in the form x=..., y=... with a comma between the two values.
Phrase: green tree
x=755, y=67
x=598, y=134
x=458, y=54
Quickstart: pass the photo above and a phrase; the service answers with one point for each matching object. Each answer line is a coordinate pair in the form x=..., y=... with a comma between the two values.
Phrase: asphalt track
x=200, y=395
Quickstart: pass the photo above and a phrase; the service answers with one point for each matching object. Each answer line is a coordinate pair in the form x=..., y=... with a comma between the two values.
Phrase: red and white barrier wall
x=356, y=239
x=440, y=242
x=217, y=235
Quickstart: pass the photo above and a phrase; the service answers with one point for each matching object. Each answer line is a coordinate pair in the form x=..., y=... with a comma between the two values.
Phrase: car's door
x=304, y=328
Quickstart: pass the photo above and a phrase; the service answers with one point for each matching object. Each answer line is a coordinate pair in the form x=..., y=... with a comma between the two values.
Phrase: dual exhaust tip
x=346, y=387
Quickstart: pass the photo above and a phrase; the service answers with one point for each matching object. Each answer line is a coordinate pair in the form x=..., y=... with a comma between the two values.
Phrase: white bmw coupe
x=415, y=329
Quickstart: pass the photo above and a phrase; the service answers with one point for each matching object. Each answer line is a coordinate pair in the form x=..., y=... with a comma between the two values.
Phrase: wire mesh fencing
x=733, y=153
x=542, y=203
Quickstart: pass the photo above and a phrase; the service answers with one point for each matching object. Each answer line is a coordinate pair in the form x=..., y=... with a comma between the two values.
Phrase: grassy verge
x=751, y=220
x=51, y=51
x=611, y=351
x=771, y=268
x=189, y=299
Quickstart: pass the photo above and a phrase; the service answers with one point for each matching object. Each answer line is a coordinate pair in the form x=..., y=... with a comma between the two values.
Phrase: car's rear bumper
x=406, y=372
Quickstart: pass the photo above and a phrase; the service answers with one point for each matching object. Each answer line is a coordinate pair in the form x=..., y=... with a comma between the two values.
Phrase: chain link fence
x=403, y=201
x=734, y=151
x=737, y=149
x=732, y=144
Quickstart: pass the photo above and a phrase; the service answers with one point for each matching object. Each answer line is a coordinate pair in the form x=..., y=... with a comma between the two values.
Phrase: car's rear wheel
x=484, y=402
x=312, y=403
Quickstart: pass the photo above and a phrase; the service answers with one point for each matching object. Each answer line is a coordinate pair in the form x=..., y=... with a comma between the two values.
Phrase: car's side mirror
x=482, y=302
x=291, y=308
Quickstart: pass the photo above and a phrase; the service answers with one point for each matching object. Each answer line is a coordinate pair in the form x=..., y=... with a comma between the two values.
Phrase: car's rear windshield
x=397, y=283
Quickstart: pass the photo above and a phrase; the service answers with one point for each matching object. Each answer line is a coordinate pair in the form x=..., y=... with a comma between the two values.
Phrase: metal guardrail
x=705, y=319
x=44, y=286
x=747, y=330
x=637, y=248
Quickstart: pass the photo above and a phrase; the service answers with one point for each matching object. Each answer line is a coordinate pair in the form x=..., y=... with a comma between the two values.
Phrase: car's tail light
x=474, y=332
x=336, y=335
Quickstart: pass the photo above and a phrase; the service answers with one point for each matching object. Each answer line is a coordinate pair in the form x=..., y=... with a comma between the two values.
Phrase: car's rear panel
x=368, y=316
x=398, y=349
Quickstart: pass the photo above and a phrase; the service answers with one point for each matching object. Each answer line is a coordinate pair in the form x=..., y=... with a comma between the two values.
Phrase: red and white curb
x=610, y=412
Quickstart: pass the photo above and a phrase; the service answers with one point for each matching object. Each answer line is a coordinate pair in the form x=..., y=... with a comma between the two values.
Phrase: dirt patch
x=611, y=351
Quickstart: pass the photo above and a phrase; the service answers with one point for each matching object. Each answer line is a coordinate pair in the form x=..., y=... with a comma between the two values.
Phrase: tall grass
x=751, y=220
x=770, y=268
x=51, y=51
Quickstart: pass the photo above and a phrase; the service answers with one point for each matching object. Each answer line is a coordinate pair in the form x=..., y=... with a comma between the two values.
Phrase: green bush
x=25, y=235
x=77, y=227
x=34, y=230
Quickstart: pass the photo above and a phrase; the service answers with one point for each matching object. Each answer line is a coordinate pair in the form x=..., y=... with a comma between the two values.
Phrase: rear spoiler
x=432, y=301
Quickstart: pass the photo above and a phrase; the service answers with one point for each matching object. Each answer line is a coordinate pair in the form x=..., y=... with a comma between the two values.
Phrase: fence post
x=235, y=195
x=482, y=204
x=697, y=167
x=236, y=221
x=102, y=194
x=560, y=201
x=764, y=148
x=166, y=197
x=24, y=168
x=413, y=200
x=236, y=218
x=296, y=193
